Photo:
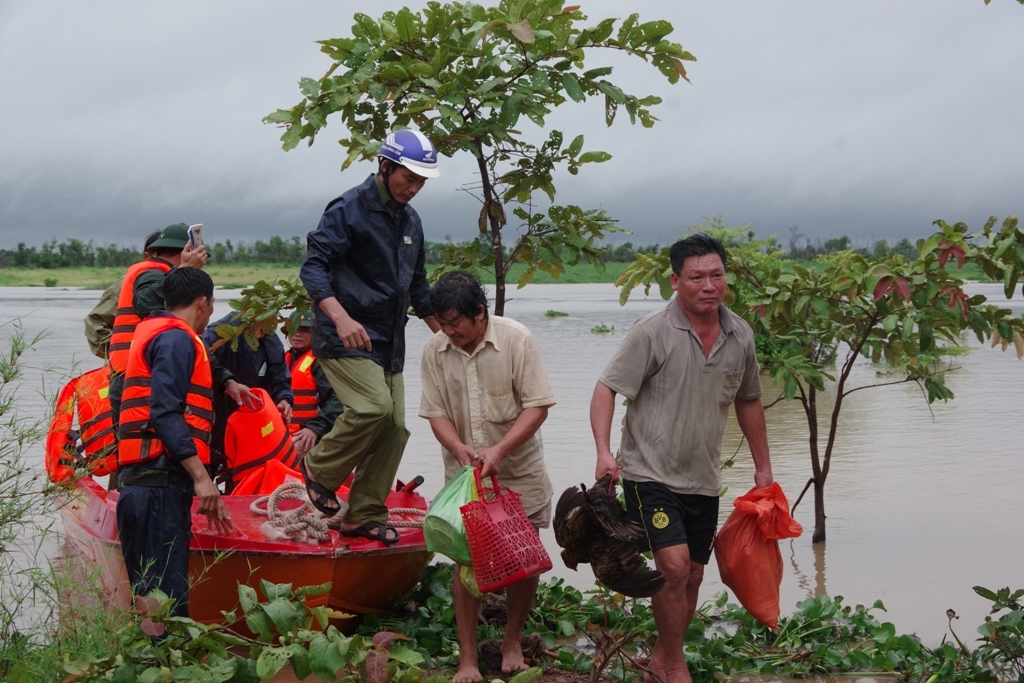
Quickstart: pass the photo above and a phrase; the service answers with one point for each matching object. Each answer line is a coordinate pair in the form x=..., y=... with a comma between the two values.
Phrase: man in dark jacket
x=164, y=448
x=263, y=368
x=365, y=264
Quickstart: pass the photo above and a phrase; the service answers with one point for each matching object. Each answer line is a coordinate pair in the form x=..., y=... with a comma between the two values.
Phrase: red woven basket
x=503, y=545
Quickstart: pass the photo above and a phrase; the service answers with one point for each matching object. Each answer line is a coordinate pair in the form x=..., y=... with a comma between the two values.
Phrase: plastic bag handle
x=480, y=486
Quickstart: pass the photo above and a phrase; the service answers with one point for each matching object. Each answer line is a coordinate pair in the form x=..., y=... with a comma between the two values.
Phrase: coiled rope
x=306, y=524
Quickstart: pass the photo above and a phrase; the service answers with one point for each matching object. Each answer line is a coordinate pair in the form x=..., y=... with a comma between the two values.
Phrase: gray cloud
x=869, y=119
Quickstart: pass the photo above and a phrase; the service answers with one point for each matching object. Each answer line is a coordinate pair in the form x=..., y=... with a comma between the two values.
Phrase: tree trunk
x=819, y=473
x=499, y=256
x=819, y=511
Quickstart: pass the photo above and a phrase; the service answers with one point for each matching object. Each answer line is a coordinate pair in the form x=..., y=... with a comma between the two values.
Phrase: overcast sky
x=869, y=118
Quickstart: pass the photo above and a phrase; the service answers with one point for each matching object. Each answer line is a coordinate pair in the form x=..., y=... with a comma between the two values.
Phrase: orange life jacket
x=264, y=480
x=126, y=321
x=307, y=398
x=87, y=393
x=254, y=437
x=139, y=441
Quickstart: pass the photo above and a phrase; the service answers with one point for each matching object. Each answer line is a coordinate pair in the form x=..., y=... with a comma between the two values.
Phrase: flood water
x=922, y=502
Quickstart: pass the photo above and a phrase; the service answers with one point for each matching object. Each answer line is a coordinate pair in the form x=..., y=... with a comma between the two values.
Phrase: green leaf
x=595, y=157
x=405, y=23
x=283, y=614
x=19, y=673
x=389, y=31
x=318, y=646
x=574, y=148
x=246, y=594
x=403, y=654
x=273, y=591
x=612, y=91
x=528, y=676
x=572, y=87
x=304, y=591
x=153, y=674
x=309, y=87
x=299, y=658
x=291, y=137
x=270, y=661
x=259, y=623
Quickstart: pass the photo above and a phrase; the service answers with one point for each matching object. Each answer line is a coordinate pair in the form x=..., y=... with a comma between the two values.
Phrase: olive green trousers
x=369, y=436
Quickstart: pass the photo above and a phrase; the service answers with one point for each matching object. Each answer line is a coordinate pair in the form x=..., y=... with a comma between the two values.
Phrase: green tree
x=467, y=75
x=890, y=309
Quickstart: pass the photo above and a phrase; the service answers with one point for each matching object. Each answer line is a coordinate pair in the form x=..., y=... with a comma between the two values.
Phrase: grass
x=224, y=275
x=230, y=276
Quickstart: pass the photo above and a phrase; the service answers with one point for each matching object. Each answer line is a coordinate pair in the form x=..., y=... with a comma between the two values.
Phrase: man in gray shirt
x=680, y=369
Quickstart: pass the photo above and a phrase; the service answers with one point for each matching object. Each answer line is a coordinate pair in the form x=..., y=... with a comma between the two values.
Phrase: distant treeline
x=809, y=250
x=74, y=253
x=70, y=254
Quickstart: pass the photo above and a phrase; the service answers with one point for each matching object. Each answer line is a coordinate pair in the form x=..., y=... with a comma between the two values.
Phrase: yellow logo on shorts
x=659, y=519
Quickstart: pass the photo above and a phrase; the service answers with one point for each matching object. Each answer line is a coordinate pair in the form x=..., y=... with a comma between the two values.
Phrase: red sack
x=747, y=550
x=503, y=545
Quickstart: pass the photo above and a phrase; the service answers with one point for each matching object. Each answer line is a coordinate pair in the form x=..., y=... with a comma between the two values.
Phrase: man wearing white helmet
x=364, y=266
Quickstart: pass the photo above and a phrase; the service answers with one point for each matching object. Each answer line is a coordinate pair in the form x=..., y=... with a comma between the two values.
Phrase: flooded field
x=922, y=502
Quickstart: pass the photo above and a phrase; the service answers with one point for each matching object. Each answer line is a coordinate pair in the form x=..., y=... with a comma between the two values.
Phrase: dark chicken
x=591, y=526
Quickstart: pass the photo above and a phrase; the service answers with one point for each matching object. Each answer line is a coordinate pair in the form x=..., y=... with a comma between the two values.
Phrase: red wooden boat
x=366, y=576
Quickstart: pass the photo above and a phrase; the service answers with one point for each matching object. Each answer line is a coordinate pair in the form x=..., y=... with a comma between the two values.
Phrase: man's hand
x=763, y=479
x=210, y=502
x=490, y=460
x=352, y=334
x=606, y=463
x=212, y=505
x=465, y=454
x=285, y=408
x=241, y=394
x=304, y=440
x=193, y=258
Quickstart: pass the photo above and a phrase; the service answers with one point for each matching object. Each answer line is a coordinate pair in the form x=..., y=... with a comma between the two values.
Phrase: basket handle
x=480, y=486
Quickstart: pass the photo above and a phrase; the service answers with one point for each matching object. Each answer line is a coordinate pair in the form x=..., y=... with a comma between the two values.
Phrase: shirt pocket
x=500, y=405
x=730, y=385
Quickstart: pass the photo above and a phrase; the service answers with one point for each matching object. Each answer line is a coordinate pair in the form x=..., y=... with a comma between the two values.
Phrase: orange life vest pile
x=258, y=447
x=88, y=395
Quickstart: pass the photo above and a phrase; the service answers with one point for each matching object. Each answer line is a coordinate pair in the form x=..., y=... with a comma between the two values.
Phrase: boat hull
x=366, y=576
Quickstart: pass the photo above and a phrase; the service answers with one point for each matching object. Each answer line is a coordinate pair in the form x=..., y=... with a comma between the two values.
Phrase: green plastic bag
x=443, y=529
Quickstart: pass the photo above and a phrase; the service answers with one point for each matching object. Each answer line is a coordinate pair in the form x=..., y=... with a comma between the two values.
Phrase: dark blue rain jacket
x=374, y=267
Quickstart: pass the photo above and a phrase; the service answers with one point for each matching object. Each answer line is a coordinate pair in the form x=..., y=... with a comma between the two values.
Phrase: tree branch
x=810, y=481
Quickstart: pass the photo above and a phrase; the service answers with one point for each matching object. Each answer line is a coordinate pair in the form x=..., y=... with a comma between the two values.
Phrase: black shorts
x=669, y=518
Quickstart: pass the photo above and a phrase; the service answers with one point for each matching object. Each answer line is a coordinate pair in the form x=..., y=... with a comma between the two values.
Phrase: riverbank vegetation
x=570, y=635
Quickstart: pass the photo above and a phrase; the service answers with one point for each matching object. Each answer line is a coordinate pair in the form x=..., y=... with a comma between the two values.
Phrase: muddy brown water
x=922, y=502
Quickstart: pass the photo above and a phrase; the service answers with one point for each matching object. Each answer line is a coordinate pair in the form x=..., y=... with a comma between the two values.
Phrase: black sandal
x=323, y=494
x=366, y=531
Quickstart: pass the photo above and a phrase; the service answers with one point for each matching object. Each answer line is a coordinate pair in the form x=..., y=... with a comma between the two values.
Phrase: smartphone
x=195, y=235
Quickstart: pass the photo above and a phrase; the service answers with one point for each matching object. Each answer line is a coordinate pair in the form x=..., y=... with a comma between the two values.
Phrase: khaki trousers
x=369, y=436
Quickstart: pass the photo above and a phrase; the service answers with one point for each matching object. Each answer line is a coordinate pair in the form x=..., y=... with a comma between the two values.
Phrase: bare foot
x=512, y=659
x=679, y=674
x=655, y=672
x=467, y=673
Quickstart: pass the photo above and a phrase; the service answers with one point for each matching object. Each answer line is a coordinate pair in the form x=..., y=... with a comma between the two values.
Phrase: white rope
x=306, y=524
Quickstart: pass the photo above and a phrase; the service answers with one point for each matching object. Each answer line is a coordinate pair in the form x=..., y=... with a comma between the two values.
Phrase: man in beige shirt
x=680, y=369
x=486, y=395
